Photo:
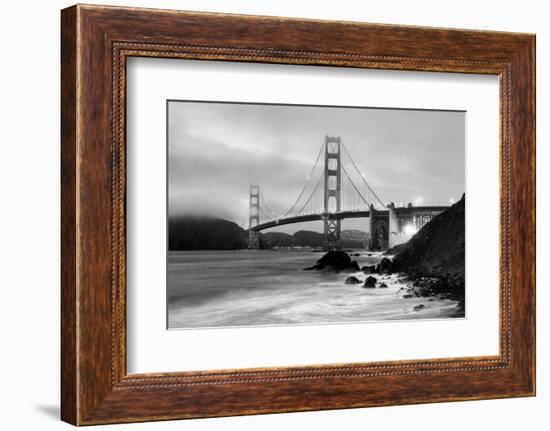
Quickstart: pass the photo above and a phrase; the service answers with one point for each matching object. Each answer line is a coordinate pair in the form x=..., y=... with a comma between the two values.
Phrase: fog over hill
x=205, y=233
x=195, y=232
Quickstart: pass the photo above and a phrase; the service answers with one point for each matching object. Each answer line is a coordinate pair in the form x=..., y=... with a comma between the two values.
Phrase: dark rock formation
x=369, y=269
x=382, y=285
x=418, y=307
x=370, y=282
x=353, y=280
x=335, y=261
x=395, y=250
x=385, y=266
x=428, y=286
x=436, y=252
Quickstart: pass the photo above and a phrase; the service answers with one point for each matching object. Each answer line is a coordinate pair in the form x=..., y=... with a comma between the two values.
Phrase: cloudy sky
x=216, y=150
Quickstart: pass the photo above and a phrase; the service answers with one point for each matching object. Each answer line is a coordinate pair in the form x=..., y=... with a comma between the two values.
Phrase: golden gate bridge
x=335, y=190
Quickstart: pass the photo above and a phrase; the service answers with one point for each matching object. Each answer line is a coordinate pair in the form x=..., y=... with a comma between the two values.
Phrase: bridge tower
x=333, y=185
x=254, y=216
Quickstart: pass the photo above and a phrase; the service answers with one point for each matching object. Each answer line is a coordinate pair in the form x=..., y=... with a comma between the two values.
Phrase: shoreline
x=213, y=289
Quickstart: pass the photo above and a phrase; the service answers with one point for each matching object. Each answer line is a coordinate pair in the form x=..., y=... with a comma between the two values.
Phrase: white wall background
x=29, y=214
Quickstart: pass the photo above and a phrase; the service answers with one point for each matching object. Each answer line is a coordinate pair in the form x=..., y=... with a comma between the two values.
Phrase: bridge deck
x=402, y=211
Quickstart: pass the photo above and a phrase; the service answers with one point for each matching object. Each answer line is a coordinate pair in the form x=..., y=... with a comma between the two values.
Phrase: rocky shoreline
x=335, y=261
x=382, y=274
x=431, y=265
x=434, y=258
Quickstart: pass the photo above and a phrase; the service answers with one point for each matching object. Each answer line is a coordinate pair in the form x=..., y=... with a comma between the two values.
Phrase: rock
x=437, y=251
x=418, y=307
x=428, y=286
x=395, y=250
x=369, y=269
x=385, y=266
x=407, y=296
x=356, y=254
x=460, y=308
x=370, y=282
x=383, y=285
x=353, y=280
x=455, y=287
x=335, y=261
x=431, y=299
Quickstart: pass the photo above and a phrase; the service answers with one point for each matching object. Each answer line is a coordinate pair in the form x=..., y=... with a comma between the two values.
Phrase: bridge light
x=410, y=229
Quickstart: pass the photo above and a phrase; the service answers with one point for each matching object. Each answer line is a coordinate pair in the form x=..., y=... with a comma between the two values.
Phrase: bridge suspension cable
x=355, y=192
x=307, y=182
x=311, y=210
x=362, y=177
x=265, y=209
x=351, y=195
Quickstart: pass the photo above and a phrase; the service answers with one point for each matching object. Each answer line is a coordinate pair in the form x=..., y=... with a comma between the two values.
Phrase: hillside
x=205, y=233
x=307, y=238
x=302, y=238
x=354, y=235
x=437, y=250
x=278, y=239
x=209, y=233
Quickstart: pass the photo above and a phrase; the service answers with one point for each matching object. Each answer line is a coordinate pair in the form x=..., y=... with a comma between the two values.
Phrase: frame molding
x=95, y=42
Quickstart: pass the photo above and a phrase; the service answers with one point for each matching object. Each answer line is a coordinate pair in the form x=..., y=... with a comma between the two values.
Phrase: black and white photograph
x=297, y=215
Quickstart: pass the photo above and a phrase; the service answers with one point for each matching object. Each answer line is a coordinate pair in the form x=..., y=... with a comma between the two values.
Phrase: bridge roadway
x=401, y=211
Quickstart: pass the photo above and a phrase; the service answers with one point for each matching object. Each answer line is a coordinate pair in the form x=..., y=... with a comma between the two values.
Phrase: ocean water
x=270, y=287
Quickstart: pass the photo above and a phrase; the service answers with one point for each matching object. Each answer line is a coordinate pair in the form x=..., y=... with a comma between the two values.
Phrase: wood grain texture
x=96, y=41
x=69, y=397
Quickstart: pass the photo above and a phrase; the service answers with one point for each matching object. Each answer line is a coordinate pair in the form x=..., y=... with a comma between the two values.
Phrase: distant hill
x=308, y=238
x=354, y=235
x=302, y=238
x=354, y=238
x=210, y=233
x=205, y=233
x=278, y=239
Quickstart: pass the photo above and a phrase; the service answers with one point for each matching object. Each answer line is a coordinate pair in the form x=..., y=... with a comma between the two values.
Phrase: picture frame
x=96, y=42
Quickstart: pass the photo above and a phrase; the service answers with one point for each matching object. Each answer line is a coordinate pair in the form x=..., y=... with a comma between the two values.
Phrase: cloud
x=217, y=150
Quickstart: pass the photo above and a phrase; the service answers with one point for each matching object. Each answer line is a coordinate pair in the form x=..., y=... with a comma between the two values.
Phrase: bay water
x=270, y=287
